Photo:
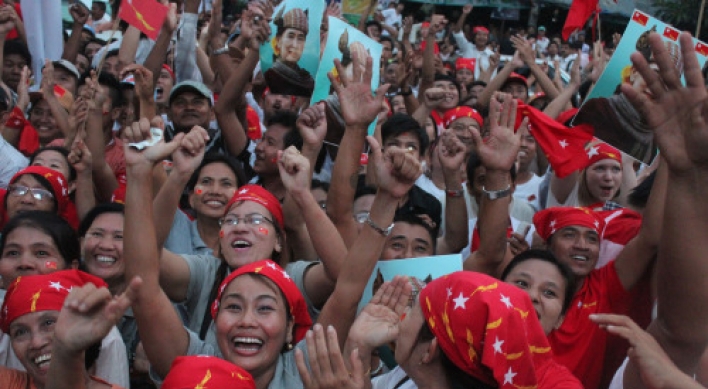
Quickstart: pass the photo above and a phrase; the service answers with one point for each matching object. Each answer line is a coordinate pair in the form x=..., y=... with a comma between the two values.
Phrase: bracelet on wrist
x=455, y=192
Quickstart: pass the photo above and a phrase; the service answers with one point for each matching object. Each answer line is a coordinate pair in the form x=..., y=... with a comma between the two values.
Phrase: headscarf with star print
x=487, y=328
x=60, y=189
x=553, y=219
x=602, y=151
x=273, y=272
x=45, y=292
x=262, y=196
x=203, y=371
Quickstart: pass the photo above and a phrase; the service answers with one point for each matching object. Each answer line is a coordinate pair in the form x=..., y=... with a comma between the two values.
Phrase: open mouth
x=247, y=345
x=241, y=244
x=42, y=361
x=580, y=258
x=106, y=259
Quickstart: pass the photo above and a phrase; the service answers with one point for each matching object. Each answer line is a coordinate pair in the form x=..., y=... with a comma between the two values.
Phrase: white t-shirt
x=392, y=18
x=529, y=191
x=393, y=378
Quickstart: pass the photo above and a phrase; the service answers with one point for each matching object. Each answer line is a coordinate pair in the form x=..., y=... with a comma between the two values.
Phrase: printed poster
x=615, y=120
x=291, y=56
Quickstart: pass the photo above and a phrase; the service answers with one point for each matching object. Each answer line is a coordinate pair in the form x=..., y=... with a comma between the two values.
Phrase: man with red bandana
x=476, y=49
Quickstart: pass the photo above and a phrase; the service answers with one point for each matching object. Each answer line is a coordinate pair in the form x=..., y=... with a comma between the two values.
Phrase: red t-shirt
x=579, y=344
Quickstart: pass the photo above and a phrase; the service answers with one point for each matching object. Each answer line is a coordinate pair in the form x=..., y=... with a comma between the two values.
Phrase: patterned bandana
x=553, y=219
x=602, y=151
x=258, y=194
x=487, y=328
x=460, y=112
x=60, y=190
x=203, y=372
x=271, y=270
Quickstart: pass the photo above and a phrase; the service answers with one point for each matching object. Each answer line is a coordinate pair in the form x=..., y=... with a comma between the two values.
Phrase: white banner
x=43, y=26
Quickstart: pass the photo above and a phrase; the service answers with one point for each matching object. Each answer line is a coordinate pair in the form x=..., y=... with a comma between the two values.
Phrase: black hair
x=100, y=5
x=457, y=377
x=91, y=355
x=63, y=236
x=475, y=83
x=387, y=39
x=97, y=211
x=17, y=46
x=362, y=189
x=639, y=196
x=546, y=256
x=287, y=119
x=211, y=158
x=473, y=162
x=404, y=216
x=400, y=123
x=114, y=90
x=446, y=77
x=45, y=184
x=374, y=23
x=317, y=184
x=61, y=150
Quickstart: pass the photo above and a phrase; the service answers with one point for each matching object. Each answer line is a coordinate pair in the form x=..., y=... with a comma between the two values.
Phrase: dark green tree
x=682, y=15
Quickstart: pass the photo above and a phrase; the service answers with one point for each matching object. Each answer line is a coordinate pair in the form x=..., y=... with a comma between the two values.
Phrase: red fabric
x=459, y=112
x=41, y=293
x=465, y=63
x=579, y=344
x=564, y=147
x=621, y=225
x=602, y=151
x=206, y=372
x=579, y=13
x=271, y=270
x=60, y=188
x=115, y=156
x=566, y=115
x=145, y=15
x=260, y=195
x=254, y=124
x=13, y=34
x=477, y=29
x=438, y=120
x=29, y=139
x=169, y=70
x=488, y=329
x=517, y=77
x=436, y=48
x=553, y=219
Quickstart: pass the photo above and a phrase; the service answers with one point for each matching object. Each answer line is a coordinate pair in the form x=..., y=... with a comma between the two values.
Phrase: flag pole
x=700, y=18
x=105, y=52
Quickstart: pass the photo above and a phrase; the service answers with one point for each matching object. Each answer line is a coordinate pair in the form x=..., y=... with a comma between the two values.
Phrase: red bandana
x=602, y=151
x=60, y=189
x=270, y=270
x=487, y=328
x=258, y=194
x=460, y=112
x=553, y=219
x=206, y=372
x=465, y=63
x=478, y=29
x=41, y=293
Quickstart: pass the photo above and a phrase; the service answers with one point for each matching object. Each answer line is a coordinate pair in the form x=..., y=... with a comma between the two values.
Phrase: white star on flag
x=497, y=346
x=287, y=277
x=553, y=224
x=242, y=191
x=563, y=143
x=56, y=285
x=509, y=377
x=593, y=151
x=60, y=181
x=460, y=301
x=506, y=301
x=597, y=224
x=449, y=292
x=272, y=265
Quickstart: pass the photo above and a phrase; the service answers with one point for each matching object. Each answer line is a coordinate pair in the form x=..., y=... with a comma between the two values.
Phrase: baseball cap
x=191, y=86
x=62, y=63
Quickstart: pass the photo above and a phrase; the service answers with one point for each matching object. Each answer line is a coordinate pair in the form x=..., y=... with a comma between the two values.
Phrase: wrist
x=497, y=180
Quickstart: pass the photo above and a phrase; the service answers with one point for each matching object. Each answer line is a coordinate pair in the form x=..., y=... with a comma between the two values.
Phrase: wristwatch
x=497, y=194
x=382, y=231
x=222, y=50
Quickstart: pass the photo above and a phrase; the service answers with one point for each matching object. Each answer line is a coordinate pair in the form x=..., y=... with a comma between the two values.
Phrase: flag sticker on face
x=671, y=33
x=640, y=18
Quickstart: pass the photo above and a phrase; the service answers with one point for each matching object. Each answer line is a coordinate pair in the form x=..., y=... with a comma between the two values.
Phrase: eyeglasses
x=37, y=193
x=361, y=217
x=254, y=219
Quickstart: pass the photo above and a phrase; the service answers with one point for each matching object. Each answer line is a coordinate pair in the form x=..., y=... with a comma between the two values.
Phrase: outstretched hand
x=499, y=150
x=678, y=114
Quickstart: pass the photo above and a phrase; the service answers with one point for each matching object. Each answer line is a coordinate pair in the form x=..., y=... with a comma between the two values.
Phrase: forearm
x=457, y=27
x=232, y=128
x=129, y=46
x=204, y=67
x=494, y=85
x=157, y=55
x=422, y=113
x=559, y=103
x=185, y=58
x=72, y=46
x=543, y=80
x=456, y=222
x=428, y=72
x=165, y=205
x=67, y=371
x=629, y=179
x=84, y=196
x=103, y=176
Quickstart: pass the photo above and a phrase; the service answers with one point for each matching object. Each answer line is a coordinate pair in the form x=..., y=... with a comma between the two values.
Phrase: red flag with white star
x=145, y=15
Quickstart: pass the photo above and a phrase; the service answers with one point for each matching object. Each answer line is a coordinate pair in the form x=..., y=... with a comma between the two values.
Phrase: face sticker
x=50, y=265
x=263, y=230
x=198, y=190
x=221, y=234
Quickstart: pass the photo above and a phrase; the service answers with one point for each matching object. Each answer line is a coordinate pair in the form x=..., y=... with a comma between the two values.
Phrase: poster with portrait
x=421, y=270
x=608, y=110
x=343, y=42
x=291, y=56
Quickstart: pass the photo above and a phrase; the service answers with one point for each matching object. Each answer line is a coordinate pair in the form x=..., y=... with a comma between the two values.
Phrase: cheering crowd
x=173, y=216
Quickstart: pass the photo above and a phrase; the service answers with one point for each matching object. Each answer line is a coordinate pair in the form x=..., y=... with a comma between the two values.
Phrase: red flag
x=640, y=18
x=145, y=15
x=564, y=147
x=579, y=13
x=671, y=33
x=702, y=49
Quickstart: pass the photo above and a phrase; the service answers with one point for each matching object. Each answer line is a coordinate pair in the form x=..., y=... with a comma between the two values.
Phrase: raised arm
x=457, y=27
x=496, y=83
x=157, y=55
x=679, y=116
x=560, y=102
x=161, y=330
x=80, y=15
x=451, y=152
x=498, y=154
x=529, y=57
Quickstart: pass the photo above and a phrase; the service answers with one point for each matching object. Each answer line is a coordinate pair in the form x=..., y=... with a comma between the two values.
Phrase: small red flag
x=640, y=18
x=145, y=15
x=702, y=49
x=579, y=13
x=671, y=33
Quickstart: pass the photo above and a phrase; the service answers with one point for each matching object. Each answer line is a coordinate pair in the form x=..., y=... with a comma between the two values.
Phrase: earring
x=289, y=346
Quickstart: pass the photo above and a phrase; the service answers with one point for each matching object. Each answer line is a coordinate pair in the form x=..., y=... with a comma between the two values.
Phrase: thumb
x=174, y=144
x=158, y=122
x=375, y=147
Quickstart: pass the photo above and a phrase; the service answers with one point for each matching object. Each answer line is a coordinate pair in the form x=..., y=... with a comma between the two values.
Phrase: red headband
x=206, y=372
x=38, y=293
x=487, y=328
x=258, y=194
x=425, y=25
x=553, y=219
x=169, y=70
x=465, y=63
x=271, y=270
x=60, y=190
x=602, y=151
x=460, y=112
x=480, y=29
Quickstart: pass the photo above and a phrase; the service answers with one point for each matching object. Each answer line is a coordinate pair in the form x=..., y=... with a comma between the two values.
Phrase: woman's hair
x=546, y=256
x=64, y=237
x=97, y=211
x=211, y=158
x=457, y=377
x=61, y=150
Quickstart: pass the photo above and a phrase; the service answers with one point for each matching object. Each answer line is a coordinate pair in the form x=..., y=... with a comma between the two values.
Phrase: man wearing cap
x=66, y=75
x=480, y=36
x=191, y=104
x=542, y=40
x=286, y=77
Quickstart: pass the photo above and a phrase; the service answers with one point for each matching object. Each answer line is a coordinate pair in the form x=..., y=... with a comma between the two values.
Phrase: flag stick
x=700, y=18
x=105, y=52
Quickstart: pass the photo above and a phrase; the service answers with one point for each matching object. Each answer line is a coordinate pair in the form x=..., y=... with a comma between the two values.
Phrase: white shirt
x=393, y=378
x=529, y=191
x=469, y=50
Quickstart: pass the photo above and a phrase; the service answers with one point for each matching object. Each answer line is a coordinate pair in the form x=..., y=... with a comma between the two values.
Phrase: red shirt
x=579, y=344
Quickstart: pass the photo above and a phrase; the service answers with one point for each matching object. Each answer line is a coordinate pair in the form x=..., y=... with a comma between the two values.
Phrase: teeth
x=42, y=359
x=240, y=244
x=580, y=257
x=248, y=340
x=214, y=202
x=105, y=259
